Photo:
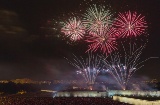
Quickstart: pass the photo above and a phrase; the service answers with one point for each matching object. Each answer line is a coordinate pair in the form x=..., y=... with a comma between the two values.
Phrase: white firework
x=73, y=29
x=122, y=67
x=89, y=68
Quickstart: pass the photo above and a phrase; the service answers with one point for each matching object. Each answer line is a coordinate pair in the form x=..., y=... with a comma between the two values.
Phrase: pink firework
x=130, y=24
x=104, y=39
x=73, y=29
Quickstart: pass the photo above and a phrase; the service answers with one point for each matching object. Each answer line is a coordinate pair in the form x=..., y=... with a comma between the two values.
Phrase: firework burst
x=73, y=29
x=122, y=67
x=89, y=68
x=103, y=39
x=96, y=17
x=130, y=24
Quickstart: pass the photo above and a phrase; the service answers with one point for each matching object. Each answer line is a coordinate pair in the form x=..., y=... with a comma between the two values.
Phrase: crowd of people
x=12, y=100
x=85, y=101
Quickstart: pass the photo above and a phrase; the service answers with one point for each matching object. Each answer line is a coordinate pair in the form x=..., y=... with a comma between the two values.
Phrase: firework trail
x=89, y=68
x=95, y=17
x=104, y=40
x=130, y=24
x=74, y=29
x=122, y=67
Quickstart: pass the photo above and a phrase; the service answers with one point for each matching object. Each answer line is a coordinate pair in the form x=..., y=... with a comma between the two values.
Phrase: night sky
x=30, y=49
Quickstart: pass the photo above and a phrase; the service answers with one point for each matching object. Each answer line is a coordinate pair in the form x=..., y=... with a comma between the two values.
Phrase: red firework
x=103, y=39
x=130, y=24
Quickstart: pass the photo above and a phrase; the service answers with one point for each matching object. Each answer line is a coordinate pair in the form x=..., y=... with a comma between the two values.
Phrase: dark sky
x=29, y=49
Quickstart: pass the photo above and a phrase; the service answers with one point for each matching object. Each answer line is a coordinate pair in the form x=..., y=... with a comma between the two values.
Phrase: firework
x=130, y=24
x=96, y=17
x=73, y=29
x=122, y=67
x=104, y=39
x=89, y=68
